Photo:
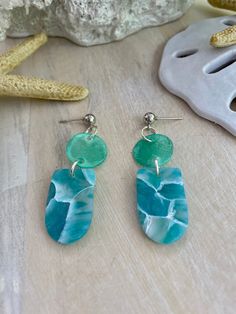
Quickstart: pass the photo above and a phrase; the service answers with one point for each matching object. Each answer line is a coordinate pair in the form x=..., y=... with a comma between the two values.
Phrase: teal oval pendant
x=69, y=208
x=162, y=206
x=87, y=149
x=160, y=148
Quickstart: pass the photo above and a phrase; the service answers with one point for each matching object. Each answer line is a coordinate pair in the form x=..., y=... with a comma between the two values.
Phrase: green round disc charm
x=87, y=149
x=161, y=148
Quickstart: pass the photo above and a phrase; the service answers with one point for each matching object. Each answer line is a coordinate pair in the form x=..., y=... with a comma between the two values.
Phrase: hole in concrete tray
x=233, y=105
x=229, y=22
x=220, y=63
x=185, y=53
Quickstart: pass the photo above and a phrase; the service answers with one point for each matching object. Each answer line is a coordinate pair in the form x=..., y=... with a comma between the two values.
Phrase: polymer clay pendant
x=69, y=207
x=161, y=202
x=162, y=207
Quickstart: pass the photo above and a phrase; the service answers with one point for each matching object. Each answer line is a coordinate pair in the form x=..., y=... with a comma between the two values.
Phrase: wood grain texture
x=115, y=268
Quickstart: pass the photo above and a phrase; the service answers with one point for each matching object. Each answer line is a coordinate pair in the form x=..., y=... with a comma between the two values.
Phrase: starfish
x=22, y=86
x=226, y=37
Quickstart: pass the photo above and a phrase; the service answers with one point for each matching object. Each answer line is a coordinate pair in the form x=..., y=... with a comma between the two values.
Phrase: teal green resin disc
x=161, y=148
x=87, y=149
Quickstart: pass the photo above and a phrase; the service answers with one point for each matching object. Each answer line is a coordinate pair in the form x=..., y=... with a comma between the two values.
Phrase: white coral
x=86, y=22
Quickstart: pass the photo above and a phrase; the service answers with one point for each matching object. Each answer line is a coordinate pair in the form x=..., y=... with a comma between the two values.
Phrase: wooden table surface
x=115, y=268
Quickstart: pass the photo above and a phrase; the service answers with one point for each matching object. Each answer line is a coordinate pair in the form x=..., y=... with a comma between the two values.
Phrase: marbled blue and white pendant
x=69, y=207
x=162, y=207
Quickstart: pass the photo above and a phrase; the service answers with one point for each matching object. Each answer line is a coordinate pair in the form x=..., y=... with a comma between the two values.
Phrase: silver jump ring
x=149, y=128
x=73, y=167
x=157, y=167
x=92, y=129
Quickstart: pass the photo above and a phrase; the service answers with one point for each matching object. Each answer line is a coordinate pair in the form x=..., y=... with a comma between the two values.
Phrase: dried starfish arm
x=224, y=4
x=21, y=86
x=13, y=57
x=224, y=38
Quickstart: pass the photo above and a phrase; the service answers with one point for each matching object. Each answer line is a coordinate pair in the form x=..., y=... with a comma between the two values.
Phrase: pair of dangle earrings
x=161, y=202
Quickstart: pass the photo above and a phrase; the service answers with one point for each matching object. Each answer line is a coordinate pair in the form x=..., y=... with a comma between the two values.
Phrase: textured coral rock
x=86, y=22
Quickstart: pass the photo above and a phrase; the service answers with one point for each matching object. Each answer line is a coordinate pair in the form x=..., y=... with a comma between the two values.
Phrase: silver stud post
x=169, y=118
x=89, y=119
x=149, y=118
x=71, y=120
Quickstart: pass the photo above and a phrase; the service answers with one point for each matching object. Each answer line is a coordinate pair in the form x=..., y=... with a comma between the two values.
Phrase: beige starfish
x=21, y=86
x=226, y=37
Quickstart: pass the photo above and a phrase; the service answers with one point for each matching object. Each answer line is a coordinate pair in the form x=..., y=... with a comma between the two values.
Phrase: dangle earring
x=69, y=207
x=161, y=202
